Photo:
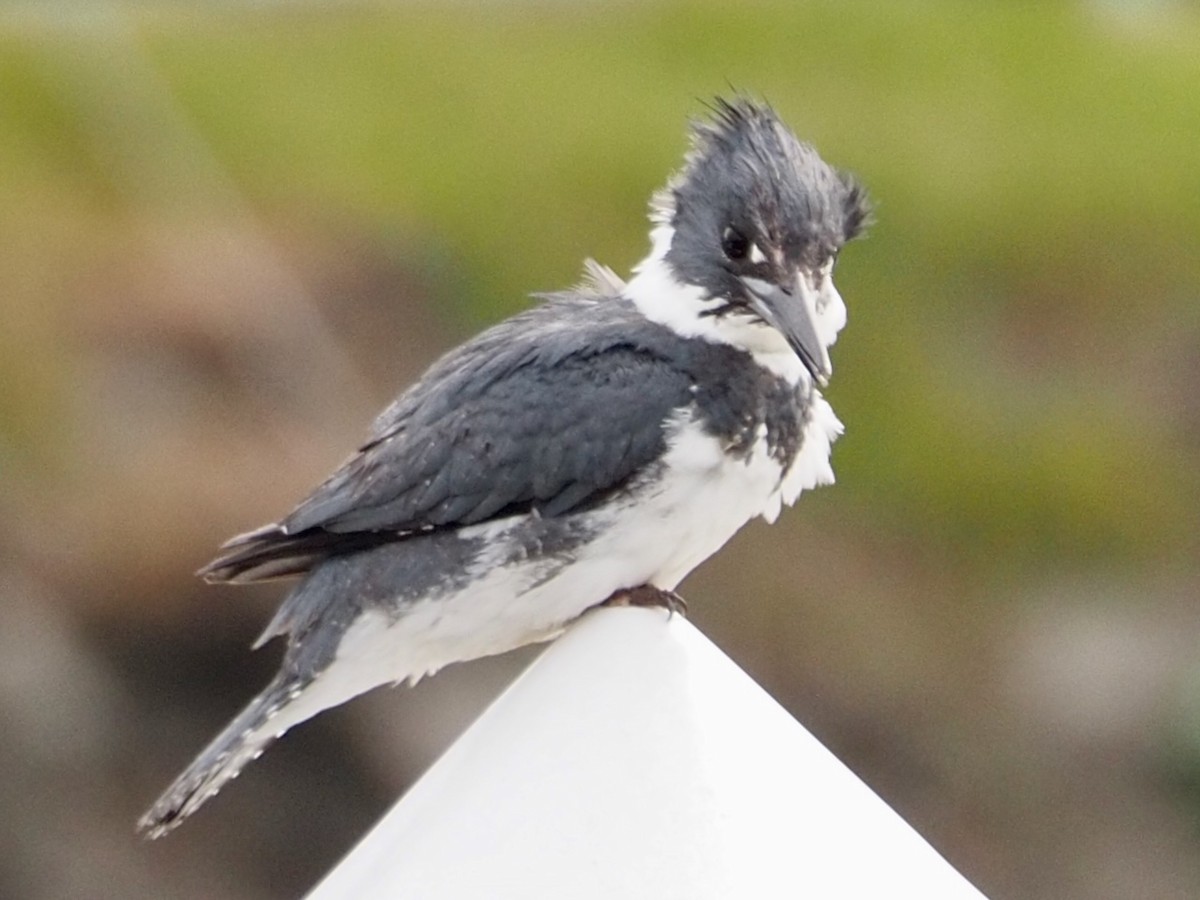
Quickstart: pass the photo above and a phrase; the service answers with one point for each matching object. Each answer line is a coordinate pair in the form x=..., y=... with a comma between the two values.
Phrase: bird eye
x=735, y=244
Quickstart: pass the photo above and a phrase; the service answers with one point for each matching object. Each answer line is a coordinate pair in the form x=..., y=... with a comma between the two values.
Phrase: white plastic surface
x=634, y=760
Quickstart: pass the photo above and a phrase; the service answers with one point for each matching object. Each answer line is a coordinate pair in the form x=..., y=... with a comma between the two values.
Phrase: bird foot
x=648, y=595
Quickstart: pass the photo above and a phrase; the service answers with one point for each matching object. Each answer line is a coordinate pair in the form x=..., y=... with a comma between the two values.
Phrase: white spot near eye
x=823, y=283
x=756, y=254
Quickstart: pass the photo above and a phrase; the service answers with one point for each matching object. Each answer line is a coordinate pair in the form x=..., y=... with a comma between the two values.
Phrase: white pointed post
x=635, y=760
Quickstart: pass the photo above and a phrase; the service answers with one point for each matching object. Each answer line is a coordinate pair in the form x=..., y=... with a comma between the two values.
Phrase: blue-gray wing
x=549, y=411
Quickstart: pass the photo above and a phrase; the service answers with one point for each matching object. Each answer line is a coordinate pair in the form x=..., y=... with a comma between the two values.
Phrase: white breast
x=811, y=467
x=702, y=499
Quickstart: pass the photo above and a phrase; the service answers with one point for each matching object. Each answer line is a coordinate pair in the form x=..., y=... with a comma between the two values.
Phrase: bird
x=594, y=448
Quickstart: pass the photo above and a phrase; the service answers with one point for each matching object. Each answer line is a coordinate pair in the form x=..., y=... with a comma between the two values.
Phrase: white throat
x=662, y=298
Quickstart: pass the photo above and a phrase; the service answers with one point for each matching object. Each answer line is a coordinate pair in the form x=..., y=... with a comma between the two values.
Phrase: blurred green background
x=228, y=235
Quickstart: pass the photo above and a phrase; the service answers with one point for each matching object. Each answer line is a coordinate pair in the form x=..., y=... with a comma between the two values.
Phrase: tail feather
x=243, y=740
x=272, y=552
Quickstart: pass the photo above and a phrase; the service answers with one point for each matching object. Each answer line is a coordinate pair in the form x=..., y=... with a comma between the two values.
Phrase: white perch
x=635, y=760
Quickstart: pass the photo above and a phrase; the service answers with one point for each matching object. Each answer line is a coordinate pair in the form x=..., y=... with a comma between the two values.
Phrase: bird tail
x=243, y=740
x=273, y=552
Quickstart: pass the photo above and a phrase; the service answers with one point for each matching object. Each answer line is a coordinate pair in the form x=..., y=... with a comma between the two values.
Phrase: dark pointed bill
x=792, y=312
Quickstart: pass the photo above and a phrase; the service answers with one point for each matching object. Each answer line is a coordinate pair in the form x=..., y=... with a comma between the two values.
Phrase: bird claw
x=648, y=595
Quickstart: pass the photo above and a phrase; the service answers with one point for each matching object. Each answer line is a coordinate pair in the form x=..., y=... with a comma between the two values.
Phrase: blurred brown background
x=229, y=235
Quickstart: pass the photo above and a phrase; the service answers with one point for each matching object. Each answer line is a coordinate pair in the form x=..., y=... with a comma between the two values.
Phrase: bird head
x=754, y=222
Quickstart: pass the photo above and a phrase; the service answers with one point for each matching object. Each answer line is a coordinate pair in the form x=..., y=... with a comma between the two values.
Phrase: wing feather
x=548, y=411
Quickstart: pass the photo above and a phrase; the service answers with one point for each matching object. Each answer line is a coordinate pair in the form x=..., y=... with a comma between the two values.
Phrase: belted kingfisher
x=595, y=448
